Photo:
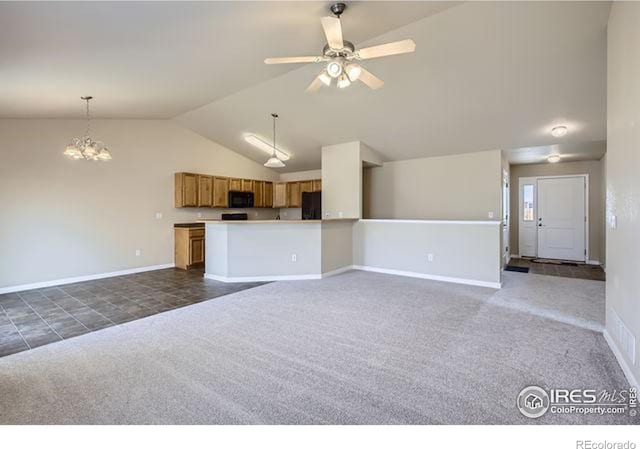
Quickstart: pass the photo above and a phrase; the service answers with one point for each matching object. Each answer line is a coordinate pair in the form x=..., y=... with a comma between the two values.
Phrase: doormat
x=555, y=262
x=516, y=269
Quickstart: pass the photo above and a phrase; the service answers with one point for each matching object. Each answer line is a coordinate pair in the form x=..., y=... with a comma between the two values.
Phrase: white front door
x=527, y=221
x=561, y=218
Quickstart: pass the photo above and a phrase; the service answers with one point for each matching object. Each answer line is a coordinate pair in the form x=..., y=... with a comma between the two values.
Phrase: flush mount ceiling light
x=85, y=147
x=553, y=158
x=342, y=58
x=559, y=131
x=274, y=161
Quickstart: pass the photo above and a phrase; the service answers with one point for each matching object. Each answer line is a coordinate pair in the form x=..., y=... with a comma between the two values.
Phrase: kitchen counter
x=189, y=225
x=216, y=221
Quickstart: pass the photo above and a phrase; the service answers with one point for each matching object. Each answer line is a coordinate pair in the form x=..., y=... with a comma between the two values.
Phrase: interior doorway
x=553, y=217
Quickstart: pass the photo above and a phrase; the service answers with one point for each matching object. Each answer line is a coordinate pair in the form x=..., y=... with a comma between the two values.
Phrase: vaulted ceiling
x=484, y=75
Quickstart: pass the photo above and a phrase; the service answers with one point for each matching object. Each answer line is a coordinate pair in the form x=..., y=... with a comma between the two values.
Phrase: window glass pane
x=527, y=202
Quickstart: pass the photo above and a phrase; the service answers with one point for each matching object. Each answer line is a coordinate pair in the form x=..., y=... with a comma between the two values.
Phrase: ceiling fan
x=343, y=58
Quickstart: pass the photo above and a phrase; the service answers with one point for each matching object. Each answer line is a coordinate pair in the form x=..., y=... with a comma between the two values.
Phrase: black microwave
x=240, y=199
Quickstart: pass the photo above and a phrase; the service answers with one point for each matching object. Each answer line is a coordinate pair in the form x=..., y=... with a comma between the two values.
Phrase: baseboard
x=515, y=256
x=90, y=277
x=431, y=277
x=295, y=277
x=626, y=369
x=337, y=271
x=593, y=262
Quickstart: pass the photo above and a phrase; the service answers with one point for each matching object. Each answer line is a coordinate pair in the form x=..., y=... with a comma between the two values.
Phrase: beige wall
x=623, y=176
x=596, y=199
x=301, y=175
x=465, y=252
x=460, y=187
x=341, y=181
x=337, y=244
x=63, y=218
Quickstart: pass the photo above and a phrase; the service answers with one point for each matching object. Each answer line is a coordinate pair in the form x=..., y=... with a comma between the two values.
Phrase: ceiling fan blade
x=314, y=86
x=370, y=79
x=392, y=48
x=333, y=31
x=292, y=60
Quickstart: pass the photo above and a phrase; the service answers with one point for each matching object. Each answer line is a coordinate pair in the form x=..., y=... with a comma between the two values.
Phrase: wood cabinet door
x=235, y=185
x=247, y=185
x=220, y=191
x=293, y=194
x=205, y=191
x=306, y=186
x=268, y=194
x=279, y=194
x=196, y=250
x=258, y=193
x=186, y=186
x=317, y=185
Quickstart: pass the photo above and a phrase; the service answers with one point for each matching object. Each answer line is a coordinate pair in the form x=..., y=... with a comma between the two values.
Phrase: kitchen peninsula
x=269, y=250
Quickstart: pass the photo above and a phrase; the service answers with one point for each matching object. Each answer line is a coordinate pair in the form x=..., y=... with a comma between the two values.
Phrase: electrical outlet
x=294, y=257
x=430, y=257
x=138, y=252
x=158, y=215
x=490, y=214
x=255, y=214
x=284, y=214
x=199, y=215
x=327, y=214
x=613, y=221
x=339, y=214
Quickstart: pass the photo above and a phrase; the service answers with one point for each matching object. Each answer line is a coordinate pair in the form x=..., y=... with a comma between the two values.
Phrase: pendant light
x=85, y=147
x=274, y=161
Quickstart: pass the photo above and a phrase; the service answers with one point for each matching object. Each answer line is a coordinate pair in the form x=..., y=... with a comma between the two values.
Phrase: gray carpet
x=358, y=348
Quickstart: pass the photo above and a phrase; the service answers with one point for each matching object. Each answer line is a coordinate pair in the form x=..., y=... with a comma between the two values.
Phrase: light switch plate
x=490, y=214
x=158, y=215
x=613, y=221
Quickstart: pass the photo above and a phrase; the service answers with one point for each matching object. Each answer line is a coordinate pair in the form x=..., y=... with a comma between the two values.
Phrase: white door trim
x=586, y=207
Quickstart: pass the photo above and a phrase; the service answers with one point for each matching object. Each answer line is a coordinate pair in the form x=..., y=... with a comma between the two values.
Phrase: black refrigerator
x=311, y=206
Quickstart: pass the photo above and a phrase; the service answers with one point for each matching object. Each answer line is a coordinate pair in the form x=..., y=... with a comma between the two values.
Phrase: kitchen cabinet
x=188, y=247
x=246, y=185
x=317, y=185
x=279, y=194
x=205, y=191
x=235, y=185
x=293, y=194
x=258, y=194
x=268, y=194
x=186, y=189
x=306, y=186
x=220, y=191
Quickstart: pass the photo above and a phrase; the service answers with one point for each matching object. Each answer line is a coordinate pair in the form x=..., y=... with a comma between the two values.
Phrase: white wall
x=464, y=252
x=341, y=181
x=623, y=177
x=301, y=175
x=461, y=187
x=337, y=244
x=64, y=218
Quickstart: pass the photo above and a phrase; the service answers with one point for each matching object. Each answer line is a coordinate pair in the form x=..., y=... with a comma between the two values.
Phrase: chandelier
x=85, y=147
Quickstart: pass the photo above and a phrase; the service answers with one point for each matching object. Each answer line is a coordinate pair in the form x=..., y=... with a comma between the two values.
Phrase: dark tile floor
x=37, y=317
x=581, y=271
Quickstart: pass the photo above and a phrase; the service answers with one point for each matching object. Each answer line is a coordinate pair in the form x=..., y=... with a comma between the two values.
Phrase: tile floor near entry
x=579, y=271
x=37, y=317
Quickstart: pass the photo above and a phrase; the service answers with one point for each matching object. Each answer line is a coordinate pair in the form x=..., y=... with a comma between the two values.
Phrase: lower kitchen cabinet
x=188, y=247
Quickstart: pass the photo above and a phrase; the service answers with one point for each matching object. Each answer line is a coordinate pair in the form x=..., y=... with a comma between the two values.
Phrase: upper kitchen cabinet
x=279, y=194
x=220, y=191
x=306, y=186
x=258, y=194
x=268, y=194
x=235, y=185
x=205, y=191
x=246, y=185
x=317, y=185
x=186, y=189
x=293, y=194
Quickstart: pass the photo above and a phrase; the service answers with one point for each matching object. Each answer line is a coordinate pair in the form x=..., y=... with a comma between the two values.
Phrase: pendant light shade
x=274, y=161
x=85, y=147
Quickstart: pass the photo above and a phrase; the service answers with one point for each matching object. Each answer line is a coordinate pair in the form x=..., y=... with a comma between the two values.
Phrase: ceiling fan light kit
x=342, y=58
